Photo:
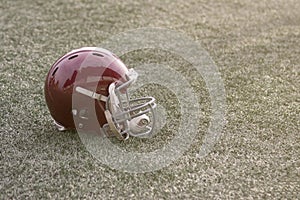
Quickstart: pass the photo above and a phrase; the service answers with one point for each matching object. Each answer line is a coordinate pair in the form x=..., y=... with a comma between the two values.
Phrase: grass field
x=256, y=46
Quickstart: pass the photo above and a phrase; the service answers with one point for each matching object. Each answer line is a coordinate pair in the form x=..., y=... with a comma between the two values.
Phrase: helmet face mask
x=98, y=84
x=136, y=117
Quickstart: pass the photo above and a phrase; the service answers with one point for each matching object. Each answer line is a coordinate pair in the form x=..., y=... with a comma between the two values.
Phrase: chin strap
x=139, y=124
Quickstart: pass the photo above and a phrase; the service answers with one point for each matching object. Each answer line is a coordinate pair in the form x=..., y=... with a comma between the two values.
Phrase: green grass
x=256, y=47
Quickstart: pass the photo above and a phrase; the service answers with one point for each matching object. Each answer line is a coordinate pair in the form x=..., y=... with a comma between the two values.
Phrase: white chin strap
x=139, y=124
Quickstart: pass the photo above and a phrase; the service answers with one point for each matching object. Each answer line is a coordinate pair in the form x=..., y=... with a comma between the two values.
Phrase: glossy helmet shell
x=75, y=68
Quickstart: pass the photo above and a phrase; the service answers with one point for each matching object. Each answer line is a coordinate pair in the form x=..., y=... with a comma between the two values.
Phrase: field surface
x=256, y=47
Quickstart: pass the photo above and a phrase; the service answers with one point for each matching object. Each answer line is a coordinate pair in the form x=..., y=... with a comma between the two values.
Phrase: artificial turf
x=256, y=46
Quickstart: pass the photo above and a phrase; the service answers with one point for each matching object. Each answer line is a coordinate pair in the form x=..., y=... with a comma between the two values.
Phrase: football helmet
x=98, y=82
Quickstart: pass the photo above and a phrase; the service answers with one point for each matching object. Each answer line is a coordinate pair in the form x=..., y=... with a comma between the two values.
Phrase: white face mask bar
x=129, y=117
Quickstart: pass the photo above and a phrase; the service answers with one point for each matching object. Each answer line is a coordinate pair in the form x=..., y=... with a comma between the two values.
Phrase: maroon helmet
x=87, y=89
